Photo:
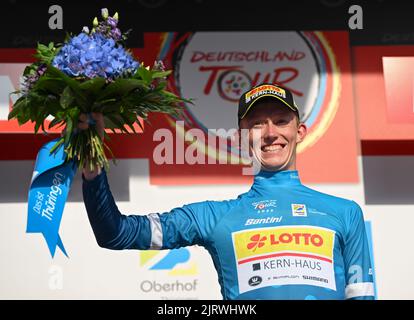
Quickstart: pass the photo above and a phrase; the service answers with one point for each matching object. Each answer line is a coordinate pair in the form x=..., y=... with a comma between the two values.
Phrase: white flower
x=104, y=13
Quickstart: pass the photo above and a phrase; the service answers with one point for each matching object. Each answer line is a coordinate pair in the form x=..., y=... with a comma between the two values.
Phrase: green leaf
x=109, y=124
x=17, y=108
x=53, y=105
x=37, y=126
x=13, y=113
x=117, y=121
x=93, y=85
x=68, y=131
x=121, y=87
x=161, y=74
x=24, y=115
x=108, y=107
x=56, y=122
x=107, y=104
x=53, y=85
x=56, y=145
x=74, y=114
x=45, y=54
x=29, y=69
x=73, y=84
x=67, y=98
x=42, y=48
x=145, y=74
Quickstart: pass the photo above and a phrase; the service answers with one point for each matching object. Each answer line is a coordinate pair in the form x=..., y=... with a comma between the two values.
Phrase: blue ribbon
x=49, y=188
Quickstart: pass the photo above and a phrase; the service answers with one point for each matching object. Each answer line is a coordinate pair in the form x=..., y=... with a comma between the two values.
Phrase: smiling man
x=279, y=240
x=273, y=131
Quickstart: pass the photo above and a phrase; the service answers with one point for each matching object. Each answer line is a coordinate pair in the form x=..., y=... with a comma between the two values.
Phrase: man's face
x=274, y=132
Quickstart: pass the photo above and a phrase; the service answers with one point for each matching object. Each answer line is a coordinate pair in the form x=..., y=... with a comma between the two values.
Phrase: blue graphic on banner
x=173, y=257
x=48, y=192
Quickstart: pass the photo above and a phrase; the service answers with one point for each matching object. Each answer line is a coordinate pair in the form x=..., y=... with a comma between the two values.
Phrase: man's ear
x=302, y=132
x=242, y=123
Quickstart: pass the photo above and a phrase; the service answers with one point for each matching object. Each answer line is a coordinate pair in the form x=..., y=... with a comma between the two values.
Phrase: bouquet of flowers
x=91, y=72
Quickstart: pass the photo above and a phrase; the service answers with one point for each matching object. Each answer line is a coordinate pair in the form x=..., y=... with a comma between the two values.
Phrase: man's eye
x=281, y=122
x=258, y=124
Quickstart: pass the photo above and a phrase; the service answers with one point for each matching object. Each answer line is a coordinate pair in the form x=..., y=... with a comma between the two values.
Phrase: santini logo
x=263, y=221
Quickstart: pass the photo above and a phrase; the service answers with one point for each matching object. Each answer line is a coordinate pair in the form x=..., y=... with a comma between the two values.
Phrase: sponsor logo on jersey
x=255, y=281
x=267, y=220
x=264, y=206
x=272, y=240
x=285, y=255
x=299, y=210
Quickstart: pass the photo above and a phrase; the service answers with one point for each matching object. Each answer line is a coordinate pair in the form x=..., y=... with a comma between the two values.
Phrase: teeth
x=273, y=148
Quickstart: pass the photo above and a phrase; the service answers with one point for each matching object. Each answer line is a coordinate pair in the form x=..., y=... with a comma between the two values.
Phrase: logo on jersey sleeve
x=285, y=255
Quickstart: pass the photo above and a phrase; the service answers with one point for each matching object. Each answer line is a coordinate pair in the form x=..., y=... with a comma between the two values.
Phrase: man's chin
x=273, y=167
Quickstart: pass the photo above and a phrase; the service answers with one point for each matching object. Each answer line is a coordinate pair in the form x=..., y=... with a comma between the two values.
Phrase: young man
x=280, y=240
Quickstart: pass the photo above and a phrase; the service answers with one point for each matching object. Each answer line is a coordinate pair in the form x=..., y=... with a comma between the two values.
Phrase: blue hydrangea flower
x=93, y=56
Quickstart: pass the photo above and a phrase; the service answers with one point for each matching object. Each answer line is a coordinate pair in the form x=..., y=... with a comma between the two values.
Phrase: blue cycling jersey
x=280, y=240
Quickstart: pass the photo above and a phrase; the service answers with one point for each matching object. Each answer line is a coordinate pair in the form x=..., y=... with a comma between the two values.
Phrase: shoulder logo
x=299, y=210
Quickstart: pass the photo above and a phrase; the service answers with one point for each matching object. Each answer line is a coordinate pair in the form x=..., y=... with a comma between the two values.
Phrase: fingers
x=98, y=117
x=83, y=122
x=90, y=175
x=100, y=125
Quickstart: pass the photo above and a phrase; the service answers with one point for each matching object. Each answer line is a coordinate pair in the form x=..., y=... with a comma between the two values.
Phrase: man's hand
x=100, y=127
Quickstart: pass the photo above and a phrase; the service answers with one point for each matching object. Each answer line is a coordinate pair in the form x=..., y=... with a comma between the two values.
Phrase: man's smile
x=275, y=147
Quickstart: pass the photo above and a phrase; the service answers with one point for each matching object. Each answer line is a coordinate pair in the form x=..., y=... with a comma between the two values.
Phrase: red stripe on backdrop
x=152, y=42
x=26, y=146
x=16, y=146
x=387, y=147
x=12, y=55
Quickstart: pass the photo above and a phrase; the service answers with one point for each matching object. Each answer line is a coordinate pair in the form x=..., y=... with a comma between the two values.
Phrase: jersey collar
x=269, y=178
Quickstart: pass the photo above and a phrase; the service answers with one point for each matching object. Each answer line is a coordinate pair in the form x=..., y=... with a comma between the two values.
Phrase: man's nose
x=270, y=131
